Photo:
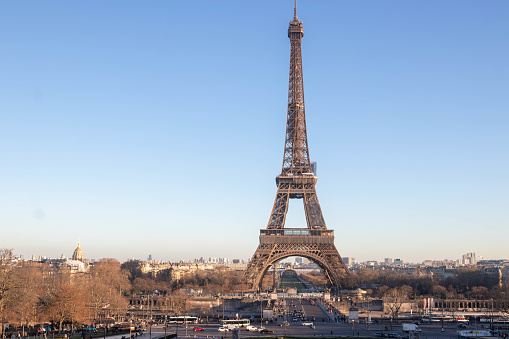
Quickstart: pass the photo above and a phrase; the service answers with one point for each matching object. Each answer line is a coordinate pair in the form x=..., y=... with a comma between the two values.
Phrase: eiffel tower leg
x=313, y=211
x=258, y=265
x=278, y=215
x=321, y=251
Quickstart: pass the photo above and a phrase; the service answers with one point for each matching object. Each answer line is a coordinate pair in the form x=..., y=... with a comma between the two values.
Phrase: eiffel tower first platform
x=296, y=181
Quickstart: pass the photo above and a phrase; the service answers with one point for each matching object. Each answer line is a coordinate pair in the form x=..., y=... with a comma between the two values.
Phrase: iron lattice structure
x=296, y=181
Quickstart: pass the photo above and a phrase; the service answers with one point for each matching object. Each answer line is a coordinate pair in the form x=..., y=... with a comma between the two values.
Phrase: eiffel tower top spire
x=296, y=153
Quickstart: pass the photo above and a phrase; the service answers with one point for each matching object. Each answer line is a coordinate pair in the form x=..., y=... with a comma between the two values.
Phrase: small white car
x=252, y=328
x=307, y=324
x=222, y=329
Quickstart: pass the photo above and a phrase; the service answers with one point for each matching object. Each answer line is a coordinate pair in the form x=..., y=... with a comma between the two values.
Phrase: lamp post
x=261, y=312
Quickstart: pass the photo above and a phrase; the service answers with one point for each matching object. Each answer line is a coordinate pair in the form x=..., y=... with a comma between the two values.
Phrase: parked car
x=198, y=329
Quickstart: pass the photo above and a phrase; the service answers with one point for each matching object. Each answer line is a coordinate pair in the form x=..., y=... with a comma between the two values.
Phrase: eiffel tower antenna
x=296, y=181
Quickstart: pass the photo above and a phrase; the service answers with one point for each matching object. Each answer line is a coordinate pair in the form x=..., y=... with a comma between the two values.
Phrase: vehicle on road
x=198, y=329
x=236, y=322
x=410, y=328
x=183, y=320
x=252, y=328
x=284, y=323
x=266, y=331
x=393, y=335
x=307, y=324
x=222, y=329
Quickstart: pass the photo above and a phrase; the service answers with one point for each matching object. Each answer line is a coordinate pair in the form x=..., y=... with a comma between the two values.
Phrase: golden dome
x=78, y=254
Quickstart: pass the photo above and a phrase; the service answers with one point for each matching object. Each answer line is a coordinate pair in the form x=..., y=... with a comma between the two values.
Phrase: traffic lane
x=296, y=329
x=313, y=312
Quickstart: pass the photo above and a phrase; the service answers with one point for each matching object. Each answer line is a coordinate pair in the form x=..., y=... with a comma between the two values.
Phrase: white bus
x=236, y=322
x=183, y=320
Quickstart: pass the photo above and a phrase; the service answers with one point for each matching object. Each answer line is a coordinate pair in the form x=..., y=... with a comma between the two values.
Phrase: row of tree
x=33, y=293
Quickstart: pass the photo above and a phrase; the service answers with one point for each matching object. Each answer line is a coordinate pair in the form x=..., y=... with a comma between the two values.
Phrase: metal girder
x=324, y=255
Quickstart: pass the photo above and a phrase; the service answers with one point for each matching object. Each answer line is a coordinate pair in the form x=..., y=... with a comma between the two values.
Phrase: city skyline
x=160, y=129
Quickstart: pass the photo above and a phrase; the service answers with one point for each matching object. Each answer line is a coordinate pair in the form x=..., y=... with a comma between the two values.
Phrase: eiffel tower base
x=315, y=245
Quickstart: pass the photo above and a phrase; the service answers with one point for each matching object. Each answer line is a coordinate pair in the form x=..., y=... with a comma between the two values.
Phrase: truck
x=411, y=328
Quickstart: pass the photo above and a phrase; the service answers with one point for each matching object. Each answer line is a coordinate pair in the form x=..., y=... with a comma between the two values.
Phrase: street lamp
x=261, y=312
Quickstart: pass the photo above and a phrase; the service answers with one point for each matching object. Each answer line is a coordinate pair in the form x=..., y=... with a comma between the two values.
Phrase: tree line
x=36, y=293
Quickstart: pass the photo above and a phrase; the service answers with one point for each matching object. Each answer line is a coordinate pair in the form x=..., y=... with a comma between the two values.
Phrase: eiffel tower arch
x=296, y=181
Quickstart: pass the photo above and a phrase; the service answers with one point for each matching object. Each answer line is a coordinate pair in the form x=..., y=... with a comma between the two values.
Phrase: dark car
x=266, y=331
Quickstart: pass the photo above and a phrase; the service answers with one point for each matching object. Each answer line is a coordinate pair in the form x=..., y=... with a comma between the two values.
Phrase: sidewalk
x=325, y=312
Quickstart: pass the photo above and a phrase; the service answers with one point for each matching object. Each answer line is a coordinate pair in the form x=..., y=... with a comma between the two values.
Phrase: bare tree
x=66, y=304
x=394, y=299
x=106, y=285
x=6, y=285
x=25, y=295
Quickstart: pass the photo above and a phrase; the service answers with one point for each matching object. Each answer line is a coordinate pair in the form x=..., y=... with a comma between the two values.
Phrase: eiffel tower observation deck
x=296, y=181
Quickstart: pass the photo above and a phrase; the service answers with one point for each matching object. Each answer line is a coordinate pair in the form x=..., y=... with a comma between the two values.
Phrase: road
x=322, y=327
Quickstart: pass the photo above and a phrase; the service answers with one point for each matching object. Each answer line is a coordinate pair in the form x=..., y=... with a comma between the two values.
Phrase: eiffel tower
x=296, y=181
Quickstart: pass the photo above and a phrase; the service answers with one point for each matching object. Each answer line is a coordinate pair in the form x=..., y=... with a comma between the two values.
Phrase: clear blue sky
x=157, y=127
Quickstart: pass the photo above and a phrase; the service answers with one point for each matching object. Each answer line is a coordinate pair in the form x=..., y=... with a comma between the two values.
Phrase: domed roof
x=78, y=254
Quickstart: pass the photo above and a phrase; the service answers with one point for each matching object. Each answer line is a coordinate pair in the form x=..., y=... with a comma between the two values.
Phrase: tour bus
x=183, y=320
x=236, y=322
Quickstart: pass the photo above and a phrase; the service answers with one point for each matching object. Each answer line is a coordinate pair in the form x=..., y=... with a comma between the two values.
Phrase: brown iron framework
x=296, y=181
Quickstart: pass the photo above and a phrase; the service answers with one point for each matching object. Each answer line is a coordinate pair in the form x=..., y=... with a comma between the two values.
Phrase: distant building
x=398, y=262
x=150, y=257
x=78, y=254
x=389, y=261
x=298, y=260
x=468, y=259
x=349, y=260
